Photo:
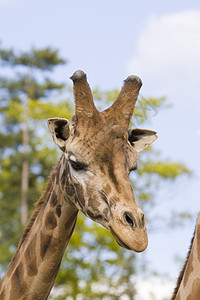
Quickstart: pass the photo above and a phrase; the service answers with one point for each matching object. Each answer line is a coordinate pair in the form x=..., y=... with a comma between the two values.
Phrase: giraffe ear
x=140, y=138
x=59, y=127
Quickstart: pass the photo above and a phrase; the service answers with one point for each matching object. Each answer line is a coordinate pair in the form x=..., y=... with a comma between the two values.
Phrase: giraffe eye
x=77, y=166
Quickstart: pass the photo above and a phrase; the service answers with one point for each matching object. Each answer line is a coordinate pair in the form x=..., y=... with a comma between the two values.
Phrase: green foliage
x=24, y=83
x=42, y=59
x=163, y=169
x=147, y=107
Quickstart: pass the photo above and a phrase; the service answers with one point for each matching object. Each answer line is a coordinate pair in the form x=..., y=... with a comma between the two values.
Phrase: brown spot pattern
x=70, y=221
x=102, y=169
x=45, y=244
x=18, y=283
x=113, y=177
x=70, y=189
x=58, y=210
x=31, y=258
x=93, y=216
x=107, y=189
x=105, y=213
x=58, y=175
x=65, y=181
x=64, y=177
x=92, y=201
x=79, y=195
x=50, y=221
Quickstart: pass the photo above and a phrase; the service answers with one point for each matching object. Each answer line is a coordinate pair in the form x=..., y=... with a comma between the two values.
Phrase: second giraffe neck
x=188, y=286
x=34, y=268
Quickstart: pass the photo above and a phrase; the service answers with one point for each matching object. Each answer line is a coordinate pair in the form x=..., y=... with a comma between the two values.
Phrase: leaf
x=165, y=170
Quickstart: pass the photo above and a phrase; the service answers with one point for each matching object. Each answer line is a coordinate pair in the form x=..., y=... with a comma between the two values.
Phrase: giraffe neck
x=33, y=270
x=188, y=285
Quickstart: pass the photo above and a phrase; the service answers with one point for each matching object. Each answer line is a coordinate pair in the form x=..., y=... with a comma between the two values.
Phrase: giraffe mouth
x=118, y=240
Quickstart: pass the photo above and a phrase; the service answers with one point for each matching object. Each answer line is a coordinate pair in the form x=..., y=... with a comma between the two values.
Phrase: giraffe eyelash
x=77, y=166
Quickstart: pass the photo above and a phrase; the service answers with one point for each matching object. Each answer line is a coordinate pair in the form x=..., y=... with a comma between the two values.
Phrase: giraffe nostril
x=129, y=219
x=143, y=220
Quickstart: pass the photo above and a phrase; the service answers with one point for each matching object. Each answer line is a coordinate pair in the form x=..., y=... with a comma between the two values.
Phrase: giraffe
x=188, y=283
x=92, y=175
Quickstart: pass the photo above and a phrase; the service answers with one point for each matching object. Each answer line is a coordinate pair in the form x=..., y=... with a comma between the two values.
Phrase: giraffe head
x=100, y=153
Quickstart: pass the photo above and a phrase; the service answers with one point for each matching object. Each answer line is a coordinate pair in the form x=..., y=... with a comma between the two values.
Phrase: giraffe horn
x=85, y=107
x=123, y=107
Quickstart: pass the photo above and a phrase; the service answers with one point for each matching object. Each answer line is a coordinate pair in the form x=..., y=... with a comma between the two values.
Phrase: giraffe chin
x=118, y=240
x=137, y=246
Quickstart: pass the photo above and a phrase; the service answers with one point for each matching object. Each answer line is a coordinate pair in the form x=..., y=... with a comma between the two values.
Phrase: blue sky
x=109, y=40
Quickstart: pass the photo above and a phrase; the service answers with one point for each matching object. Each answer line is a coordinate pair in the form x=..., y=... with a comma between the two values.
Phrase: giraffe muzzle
x=129, y=230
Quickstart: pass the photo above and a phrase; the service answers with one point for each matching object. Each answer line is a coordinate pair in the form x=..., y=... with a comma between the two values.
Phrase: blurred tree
x=25, y=158
x=94, y=266
x=23, y=88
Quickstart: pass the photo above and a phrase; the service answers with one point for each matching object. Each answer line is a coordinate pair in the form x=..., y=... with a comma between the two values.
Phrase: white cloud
x=154, y=288
x=168, y=51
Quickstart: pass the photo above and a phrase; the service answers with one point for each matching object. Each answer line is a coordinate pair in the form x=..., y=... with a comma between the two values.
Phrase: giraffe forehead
x=95, y=149
x=97, y=139
x=100, y=131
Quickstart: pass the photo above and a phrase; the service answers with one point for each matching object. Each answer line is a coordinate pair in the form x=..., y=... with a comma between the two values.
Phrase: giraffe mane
x=179, y=280
x=39, y=204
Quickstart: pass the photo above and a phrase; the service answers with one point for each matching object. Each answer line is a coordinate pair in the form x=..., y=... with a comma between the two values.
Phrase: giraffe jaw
x=131, y=239
x=118, y=240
